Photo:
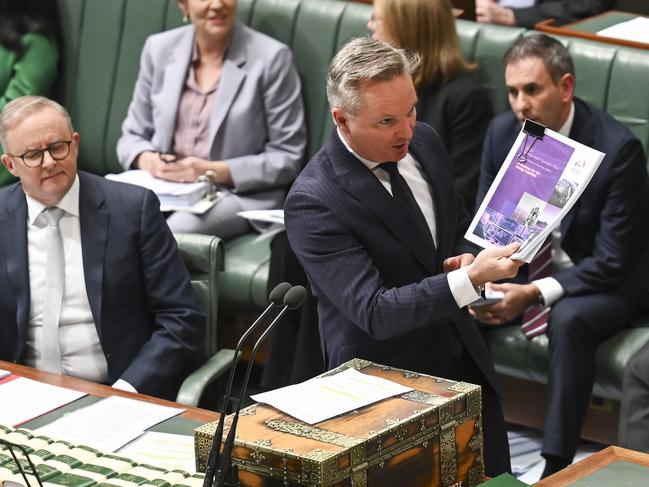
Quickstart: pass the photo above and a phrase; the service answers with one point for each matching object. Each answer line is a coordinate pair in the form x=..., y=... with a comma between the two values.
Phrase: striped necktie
x=535, y=318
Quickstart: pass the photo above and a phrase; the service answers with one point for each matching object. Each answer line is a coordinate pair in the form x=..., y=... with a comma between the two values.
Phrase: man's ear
x=341, y=119
x=9, y=164
x=567, y=86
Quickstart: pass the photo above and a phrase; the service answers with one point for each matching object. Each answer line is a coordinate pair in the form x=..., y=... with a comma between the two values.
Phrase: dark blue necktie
x=402, y=193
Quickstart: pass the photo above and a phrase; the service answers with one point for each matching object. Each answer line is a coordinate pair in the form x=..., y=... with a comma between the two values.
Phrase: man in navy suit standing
x=376, y=222
x=91, y=282
x=592, y=291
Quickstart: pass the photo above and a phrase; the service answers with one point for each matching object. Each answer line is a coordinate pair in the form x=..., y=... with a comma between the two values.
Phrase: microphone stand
x=276, y=298
x=227, y=474
x=12, y=447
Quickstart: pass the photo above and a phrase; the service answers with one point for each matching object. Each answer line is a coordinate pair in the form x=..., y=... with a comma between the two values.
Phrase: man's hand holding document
x=540, y=181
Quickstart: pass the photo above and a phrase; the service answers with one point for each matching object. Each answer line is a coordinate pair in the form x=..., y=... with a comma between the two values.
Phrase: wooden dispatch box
x=431, y=436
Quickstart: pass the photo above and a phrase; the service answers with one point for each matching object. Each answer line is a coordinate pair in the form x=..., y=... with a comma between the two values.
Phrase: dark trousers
x=294, y=353
x=578, y=324
x=447, y=357
x=496, y=445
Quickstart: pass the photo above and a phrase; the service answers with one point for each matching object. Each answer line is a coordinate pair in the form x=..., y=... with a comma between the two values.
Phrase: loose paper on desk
x=636, y=30
x=18, y=404
x=270, y=216
x=166, y=450
x=539, y=182
x=108, y=424
x=322, y=398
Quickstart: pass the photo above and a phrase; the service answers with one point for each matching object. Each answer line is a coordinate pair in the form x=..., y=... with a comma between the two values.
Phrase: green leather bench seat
x=516, y=356
x=244, y=282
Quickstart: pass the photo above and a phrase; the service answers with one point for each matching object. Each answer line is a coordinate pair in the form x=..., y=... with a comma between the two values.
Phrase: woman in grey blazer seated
x=217, y=98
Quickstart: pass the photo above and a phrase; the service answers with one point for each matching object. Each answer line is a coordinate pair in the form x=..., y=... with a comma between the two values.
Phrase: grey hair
x=553, y=53
x=22, y=107
x=362, y=60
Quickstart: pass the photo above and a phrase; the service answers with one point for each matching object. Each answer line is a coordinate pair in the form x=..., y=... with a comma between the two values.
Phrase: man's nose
x=48, y=160
x=406, y=128
x=521, y=102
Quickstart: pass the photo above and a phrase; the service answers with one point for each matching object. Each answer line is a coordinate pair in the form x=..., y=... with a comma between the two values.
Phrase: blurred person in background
x=451, y=99
x=527, y=13
x=29, y=53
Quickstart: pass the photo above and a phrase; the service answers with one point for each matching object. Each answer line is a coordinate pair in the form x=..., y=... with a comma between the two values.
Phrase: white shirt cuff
x=461, y=287
x=550, y=289
x=122, y=385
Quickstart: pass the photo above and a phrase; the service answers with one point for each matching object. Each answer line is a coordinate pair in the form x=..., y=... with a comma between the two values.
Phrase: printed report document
x=537, y=185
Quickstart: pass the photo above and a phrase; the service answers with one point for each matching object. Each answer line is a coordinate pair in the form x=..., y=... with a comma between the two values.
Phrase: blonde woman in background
x=451, y=99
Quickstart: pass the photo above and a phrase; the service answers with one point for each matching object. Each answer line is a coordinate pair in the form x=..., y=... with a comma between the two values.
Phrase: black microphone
x=227, y=474
x=276, y=298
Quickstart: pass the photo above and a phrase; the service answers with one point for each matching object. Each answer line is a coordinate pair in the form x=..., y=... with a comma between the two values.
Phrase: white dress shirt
x=458, y=280
x=81, y=352
x=549, y=287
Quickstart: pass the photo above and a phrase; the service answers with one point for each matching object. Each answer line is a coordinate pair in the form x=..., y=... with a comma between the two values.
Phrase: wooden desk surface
x=594, y=463
x=588, y=28
x=101, y=390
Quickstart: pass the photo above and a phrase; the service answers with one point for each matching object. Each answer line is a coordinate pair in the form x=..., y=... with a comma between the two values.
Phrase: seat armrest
x=193, y=386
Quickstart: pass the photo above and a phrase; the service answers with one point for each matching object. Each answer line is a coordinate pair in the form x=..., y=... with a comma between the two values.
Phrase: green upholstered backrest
x=203, y=256
x=608, y=76
x=486, y=45
x=314, y=30
x=102, y=42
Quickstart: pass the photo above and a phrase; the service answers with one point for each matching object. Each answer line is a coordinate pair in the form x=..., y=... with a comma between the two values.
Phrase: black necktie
x=402, y=193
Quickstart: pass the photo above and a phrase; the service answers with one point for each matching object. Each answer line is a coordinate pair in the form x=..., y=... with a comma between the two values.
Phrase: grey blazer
x=257, y=123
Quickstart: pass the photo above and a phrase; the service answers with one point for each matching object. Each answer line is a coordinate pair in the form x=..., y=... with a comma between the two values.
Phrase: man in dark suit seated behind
x=596, y=247
x=388, y=272
x=91, y=282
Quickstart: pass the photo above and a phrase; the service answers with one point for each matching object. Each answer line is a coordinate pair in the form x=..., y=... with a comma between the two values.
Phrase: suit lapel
x=232, y=77
x=583, y=131
x=363, y=186
x=13, y=245
x=175, y=75
x=94, y=219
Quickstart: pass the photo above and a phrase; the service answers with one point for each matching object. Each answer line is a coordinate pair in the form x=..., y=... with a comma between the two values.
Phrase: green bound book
x=504, y=480
x=97, y=472
x=157, y=483
x=64, y=462
x=69, y=479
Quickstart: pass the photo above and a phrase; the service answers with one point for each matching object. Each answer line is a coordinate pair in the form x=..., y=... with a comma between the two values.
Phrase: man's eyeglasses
x=34, y=157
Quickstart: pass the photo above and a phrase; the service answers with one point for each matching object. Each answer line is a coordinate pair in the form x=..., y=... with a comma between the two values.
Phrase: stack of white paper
x=169, y=192
x=108, y=424
x=636, y=30
x=322, y=398
x=18, y=404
